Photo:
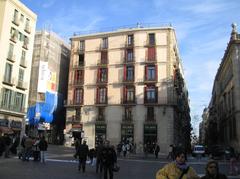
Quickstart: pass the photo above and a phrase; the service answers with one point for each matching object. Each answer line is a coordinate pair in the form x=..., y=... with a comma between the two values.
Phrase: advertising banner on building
x=43, y=76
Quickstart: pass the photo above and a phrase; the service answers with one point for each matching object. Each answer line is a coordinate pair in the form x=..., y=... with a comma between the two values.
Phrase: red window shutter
x=107, y=74
x=156, y=73
x=97, y=95
x=146, y=72
x=99, y=75
x=124, y=93
x=106, y=95
x=156, y=94
x=82, y=96
x=151, y=53
x=145, y=94
x=125, y=72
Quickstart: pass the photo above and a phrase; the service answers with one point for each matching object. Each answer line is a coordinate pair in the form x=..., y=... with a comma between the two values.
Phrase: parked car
x=198, y=150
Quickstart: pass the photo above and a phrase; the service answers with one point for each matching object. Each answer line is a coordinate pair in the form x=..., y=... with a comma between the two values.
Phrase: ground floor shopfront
x=138, y=131
x=10, y=126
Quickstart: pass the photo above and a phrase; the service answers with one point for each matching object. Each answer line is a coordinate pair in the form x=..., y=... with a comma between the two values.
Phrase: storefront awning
x=6, y=130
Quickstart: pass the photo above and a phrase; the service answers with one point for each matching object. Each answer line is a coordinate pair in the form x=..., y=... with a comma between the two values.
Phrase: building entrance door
x=150, y=136
x=100, y=132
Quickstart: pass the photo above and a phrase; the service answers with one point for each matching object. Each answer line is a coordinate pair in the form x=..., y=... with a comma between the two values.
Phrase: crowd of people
x=105, y=154
x=35, y=147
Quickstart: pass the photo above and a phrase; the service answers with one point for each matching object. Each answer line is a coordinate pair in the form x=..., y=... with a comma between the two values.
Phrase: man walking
x=109, y=157
x=82, y=153
x=43, y=145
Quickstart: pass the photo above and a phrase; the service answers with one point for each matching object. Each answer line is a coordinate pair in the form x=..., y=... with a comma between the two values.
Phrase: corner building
x=128, y=85
x=17, y=29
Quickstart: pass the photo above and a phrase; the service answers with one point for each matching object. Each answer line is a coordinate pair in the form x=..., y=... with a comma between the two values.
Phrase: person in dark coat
x=8, y=144
x=212, y=171
x=2, y=145
x=16, y=141
x=43, y=145
x=99, y=156
x=82, y=153
x=156, y=150
x=109, y=158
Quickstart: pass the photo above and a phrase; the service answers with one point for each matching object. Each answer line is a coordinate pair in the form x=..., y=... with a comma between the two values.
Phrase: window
x=151, y=73
x=151, y=94
x=151, y=39
x=23, y=57
x=78, y=96
x=102, y=95
x=130, y=40
x=10, y=51
x=128, y=114
x=19, y=101
x=15, y=17
x=150, y=113
x=102, y=75
x=81, y=60
x=6, y=97
x=27, y=25
x=21, y=76
x=101, y=114
x=8, y=73
x=14, y=34
x=129, y=94
x=22, y=18
x=79, y=75
x=129, y=73
x=129, y=55
x=105, y=43
x=104, y=57
x=78, y=114
x=82, y=45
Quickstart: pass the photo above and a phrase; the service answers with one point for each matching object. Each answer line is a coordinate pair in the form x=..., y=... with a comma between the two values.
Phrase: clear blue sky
x=203, y=30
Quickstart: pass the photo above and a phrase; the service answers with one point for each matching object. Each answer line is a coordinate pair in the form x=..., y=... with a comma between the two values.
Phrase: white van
x=198, y=150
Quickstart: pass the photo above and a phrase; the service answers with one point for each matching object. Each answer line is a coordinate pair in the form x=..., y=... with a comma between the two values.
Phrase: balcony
x=22, y=85
x=127, y=118
x=150, y=80
x=102, y=62
x=128, y=102
x=103, y=47
x=13, y=38
x=150, y=101
x=72, y=103
x=79, y=65
x=25, y=46
x=79, y=82
x=101, y=102
x=150, y=118
x=128, y=80
x=11, y=58
x=27, y=29
x=23, y=63
x=16, y=21
x=100, y=118
x=129, y=45
x=8, y=81
x=12, y=108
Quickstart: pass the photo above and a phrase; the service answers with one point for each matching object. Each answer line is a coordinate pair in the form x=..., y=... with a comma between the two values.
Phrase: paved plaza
x=61, y=165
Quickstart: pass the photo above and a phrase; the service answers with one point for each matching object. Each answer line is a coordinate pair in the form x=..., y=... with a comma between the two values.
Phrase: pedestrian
x=99, y=156
x=109, y=158
x=16, y=141
x=119, y=149
x=28, y=143
x=177, y=169
x=8, y=144
x=92, y=154
x=233, y=162
x=156, y=150
x=170, y=152
x=124, y=149
x=82, y=153
x=212, y=171
x=43, y=145
x=2, y=145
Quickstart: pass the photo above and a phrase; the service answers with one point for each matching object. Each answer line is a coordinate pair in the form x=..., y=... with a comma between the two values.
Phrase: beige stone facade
x=224, y=108
x=128, y=85
x=17, y=28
